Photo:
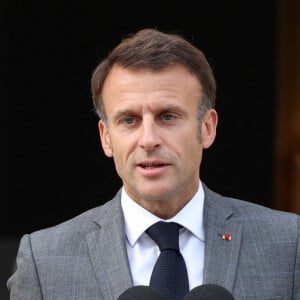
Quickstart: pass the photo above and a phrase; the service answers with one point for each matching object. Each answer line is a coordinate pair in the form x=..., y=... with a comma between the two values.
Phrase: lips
x=151, y=165
x=152, y=168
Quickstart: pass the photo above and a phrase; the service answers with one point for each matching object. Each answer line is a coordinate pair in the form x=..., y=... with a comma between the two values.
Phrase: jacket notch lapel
x=109, y=257
x=223, y=234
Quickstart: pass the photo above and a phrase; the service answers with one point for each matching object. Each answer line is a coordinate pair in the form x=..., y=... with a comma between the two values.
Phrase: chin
x=156, y=193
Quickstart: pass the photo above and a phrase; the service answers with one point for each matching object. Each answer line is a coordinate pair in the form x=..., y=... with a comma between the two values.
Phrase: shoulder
x=250, y=213
x=77, y=227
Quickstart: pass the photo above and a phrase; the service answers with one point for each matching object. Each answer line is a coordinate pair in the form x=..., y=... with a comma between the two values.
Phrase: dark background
x=54, y=167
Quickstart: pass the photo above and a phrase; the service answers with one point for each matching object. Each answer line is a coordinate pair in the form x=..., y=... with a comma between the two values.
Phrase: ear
x=105, y=139
x=209, y=128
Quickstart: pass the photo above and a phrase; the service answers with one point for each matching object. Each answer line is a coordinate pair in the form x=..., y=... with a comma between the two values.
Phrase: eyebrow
x=174, y=108
x=167, y=108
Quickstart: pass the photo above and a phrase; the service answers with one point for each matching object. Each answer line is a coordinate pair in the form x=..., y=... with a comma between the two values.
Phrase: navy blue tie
x=169, y=274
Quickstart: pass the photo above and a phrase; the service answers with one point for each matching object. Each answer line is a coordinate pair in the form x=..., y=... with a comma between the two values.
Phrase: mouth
x=151, y=165
x=152, y=169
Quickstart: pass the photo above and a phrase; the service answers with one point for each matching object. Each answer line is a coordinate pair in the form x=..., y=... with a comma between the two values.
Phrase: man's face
x=153, y=134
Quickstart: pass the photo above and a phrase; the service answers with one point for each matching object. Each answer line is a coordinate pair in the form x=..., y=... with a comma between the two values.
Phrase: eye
x=128, y=120
x=167, y=117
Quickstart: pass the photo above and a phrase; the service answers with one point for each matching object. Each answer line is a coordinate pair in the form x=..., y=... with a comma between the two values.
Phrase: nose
x=149, y=135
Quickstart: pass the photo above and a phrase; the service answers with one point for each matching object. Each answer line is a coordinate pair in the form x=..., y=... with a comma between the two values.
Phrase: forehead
x=127, y=86
x=120, y=75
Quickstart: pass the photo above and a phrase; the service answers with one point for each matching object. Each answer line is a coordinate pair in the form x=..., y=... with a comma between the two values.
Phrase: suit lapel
x=108, y=251
x=221, y=255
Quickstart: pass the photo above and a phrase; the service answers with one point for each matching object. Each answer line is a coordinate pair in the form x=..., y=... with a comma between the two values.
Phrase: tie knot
x=165, y=234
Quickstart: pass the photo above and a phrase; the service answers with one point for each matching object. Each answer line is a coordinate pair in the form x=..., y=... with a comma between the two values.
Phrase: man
x=155, y=95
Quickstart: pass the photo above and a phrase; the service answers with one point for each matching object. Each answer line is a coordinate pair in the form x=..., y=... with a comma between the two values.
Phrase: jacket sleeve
x=24, y=283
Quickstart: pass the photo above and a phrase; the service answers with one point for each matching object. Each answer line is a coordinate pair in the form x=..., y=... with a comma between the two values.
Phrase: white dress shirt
x=143, y=251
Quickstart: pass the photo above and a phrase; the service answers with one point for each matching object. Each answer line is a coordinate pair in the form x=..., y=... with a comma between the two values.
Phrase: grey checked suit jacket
x=85, y=257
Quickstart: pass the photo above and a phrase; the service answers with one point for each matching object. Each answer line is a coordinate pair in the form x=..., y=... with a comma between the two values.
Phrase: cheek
x=122, y=148
x=187, y=146
x=118, y=166
x=191, y=137
x=192, y=148
x=194, y=154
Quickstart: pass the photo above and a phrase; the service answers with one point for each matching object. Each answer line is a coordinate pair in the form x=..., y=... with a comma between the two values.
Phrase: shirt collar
x=138, y=220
